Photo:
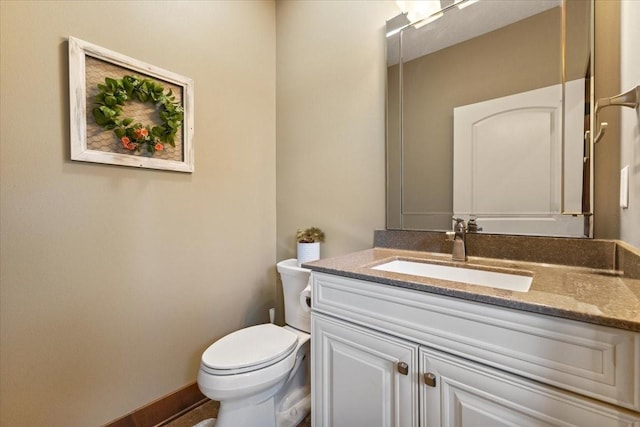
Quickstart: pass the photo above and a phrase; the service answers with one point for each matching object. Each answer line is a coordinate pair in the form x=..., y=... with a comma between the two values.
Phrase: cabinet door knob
x=430, y=379
x=403, y=368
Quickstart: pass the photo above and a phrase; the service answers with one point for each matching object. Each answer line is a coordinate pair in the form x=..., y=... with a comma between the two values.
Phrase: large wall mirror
x=488, y=105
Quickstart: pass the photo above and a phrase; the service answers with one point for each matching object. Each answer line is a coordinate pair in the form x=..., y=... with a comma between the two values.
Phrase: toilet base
x=294, y=414
x=209, y=422
x=240, y=413
x=284, y=404
x=292, y=411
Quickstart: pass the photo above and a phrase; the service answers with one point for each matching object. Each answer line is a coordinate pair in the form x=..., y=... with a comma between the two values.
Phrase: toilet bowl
x=260, y=374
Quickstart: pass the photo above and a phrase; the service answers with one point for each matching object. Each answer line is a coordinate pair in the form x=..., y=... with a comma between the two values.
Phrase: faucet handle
x=472, y=225
x=459, y=225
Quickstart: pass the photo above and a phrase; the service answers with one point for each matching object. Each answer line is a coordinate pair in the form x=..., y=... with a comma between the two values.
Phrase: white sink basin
x=493, y=279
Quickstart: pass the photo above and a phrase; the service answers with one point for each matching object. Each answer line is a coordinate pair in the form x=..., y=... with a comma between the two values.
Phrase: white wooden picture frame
x=91, y=142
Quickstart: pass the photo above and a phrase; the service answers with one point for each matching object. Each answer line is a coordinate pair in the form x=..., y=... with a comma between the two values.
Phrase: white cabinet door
x=467, y=394
x=359, y=377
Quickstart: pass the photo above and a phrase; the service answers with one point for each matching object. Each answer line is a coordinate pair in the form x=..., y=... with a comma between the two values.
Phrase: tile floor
x=210, y=410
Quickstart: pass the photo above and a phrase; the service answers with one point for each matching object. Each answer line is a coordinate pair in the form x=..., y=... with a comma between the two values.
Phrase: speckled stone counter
x=605, y=295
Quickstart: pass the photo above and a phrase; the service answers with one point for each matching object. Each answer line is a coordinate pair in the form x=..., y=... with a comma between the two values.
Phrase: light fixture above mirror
x=419, y=13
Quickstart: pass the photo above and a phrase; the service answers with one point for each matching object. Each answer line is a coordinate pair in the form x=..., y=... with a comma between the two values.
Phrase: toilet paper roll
x=305, y=298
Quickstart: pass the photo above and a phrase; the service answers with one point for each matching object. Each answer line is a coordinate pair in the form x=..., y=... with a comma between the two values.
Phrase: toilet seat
x=249, y=349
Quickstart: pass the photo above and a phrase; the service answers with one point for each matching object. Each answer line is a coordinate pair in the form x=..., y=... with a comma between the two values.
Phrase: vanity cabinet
x=389, y=356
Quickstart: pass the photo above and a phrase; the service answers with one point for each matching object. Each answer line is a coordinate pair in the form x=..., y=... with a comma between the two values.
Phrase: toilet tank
x=294, y=280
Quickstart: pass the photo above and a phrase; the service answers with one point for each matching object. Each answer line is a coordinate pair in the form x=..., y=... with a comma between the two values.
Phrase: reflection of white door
x=508, y=164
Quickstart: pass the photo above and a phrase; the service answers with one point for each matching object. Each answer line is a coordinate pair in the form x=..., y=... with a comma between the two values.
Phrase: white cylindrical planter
x=308, y=252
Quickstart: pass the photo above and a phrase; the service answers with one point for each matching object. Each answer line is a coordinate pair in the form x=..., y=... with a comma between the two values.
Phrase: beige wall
x=607, y=151
x=330, y=121
x=113, y=279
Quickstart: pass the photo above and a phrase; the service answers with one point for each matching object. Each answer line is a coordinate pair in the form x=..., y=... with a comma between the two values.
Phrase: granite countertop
x=601, y=296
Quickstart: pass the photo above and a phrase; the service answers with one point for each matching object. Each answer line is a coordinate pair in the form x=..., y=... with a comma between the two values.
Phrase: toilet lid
x=250, y=347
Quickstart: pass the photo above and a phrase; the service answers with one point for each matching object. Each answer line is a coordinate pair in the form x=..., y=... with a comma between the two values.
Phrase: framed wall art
x=126, y=112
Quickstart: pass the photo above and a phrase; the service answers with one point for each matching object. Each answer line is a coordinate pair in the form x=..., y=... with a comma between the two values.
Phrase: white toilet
x=260, y=374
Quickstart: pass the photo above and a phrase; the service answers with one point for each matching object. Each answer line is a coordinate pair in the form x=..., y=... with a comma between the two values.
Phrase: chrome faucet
x=459, y=238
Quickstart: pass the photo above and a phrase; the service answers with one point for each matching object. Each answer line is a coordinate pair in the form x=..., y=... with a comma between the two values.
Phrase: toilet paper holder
x=305, y=298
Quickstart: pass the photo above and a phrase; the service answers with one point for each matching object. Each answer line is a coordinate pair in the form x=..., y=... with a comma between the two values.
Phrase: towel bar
x=630, y=99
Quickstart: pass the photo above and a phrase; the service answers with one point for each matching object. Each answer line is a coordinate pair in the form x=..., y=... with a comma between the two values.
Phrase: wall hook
x=630, y=99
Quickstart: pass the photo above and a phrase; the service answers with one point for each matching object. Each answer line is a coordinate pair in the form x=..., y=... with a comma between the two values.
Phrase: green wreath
x=136, y=136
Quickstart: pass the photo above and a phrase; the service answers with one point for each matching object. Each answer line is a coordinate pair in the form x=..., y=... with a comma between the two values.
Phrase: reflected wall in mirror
x=487, y=108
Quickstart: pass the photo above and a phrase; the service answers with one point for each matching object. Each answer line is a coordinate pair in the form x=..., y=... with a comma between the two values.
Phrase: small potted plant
x=309, y=244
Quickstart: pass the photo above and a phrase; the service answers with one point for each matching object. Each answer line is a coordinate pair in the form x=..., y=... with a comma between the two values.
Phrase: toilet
x=260, y=374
